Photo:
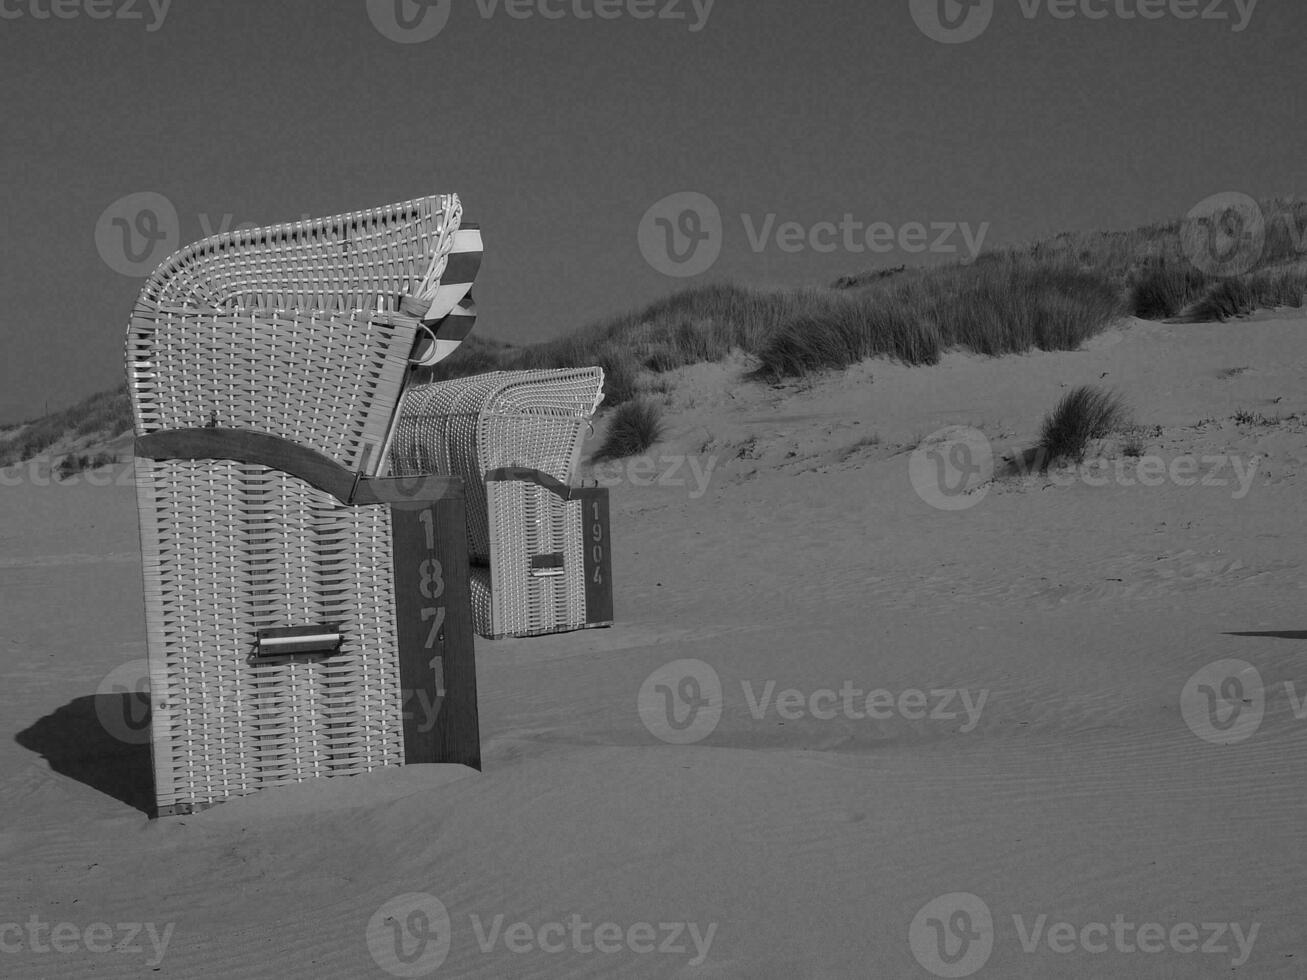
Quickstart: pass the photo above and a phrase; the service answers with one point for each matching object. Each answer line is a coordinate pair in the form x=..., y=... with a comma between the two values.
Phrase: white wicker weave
x=303, y=331
x=232, y=548
x=298, y=330
x=470, y=426
x=532, y=419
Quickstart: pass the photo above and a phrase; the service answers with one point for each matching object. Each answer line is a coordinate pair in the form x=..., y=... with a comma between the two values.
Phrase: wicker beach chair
x=539, y=546
x=306, y=615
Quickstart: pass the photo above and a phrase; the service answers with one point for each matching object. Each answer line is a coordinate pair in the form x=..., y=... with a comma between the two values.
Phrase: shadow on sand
x=101, y=740
x=1276, y=634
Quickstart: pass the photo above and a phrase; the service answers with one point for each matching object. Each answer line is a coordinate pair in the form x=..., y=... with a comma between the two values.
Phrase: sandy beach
x=832, y=718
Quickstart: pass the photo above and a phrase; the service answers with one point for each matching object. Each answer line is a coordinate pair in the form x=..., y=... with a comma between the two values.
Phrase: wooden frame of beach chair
x=542, y=562
x=305, y=615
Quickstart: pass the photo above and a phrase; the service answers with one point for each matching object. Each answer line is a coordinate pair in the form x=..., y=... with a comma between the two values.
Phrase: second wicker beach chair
x=542, y=560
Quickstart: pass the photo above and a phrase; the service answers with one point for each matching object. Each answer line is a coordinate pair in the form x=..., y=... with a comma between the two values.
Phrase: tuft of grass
x=1242, y=295
x=1084, y=413
x=1164, y=289
x=70, y=465
x=635, y=427
x=1244, y=417
x=1133, y=445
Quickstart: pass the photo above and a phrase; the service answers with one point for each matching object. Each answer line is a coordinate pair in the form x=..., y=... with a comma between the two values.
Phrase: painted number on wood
x=431, y=583
x=597, y=543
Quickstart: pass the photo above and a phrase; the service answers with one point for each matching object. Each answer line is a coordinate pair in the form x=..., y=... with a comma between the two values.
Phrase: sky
x=612, y=159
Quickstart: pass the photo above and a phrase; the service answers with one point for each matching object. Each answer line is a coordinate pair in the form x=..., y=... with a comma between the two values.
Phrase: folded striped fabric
x=452, y=312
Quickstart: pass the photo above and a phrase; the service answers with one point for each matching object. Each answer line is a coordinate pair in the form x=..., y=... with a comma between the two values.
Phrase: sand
x=1035, y=746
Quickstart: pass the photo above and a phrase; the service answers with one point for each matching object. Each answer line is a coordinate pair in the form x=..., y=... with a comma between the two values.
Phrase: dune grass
x=107, y=412
x=635, y=427
x=1050, y=295
x=1084, y=413
x=70, y=465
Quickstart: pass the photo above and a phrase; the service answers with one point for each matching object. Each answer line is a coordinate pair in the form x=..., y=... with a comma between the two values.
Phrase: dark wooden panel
x=315, y=469
x=403, y=489
x=597, y=541
x=538, y=477
x=249, y=446
x=437, y=663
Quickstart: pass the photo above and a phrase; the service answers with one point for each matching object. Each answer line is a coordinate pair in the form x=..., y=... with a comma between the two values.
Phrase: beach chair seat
x=305, y=615
x=539, y=545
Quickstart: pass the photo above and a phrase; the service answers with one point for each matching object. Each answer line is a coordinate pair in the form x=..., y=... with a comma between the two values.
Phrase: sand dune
x=799, y=836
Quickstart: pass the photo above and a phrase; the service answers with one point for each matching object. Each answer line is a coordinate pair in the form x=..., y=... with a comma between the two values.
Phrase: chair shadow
x=1275, y=634
x=101, y=740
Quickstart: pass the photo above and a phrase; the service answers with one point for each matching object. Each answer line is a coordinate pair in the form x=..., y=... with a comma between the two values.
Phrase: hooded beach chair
x=541, y=557
x=307, y=613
